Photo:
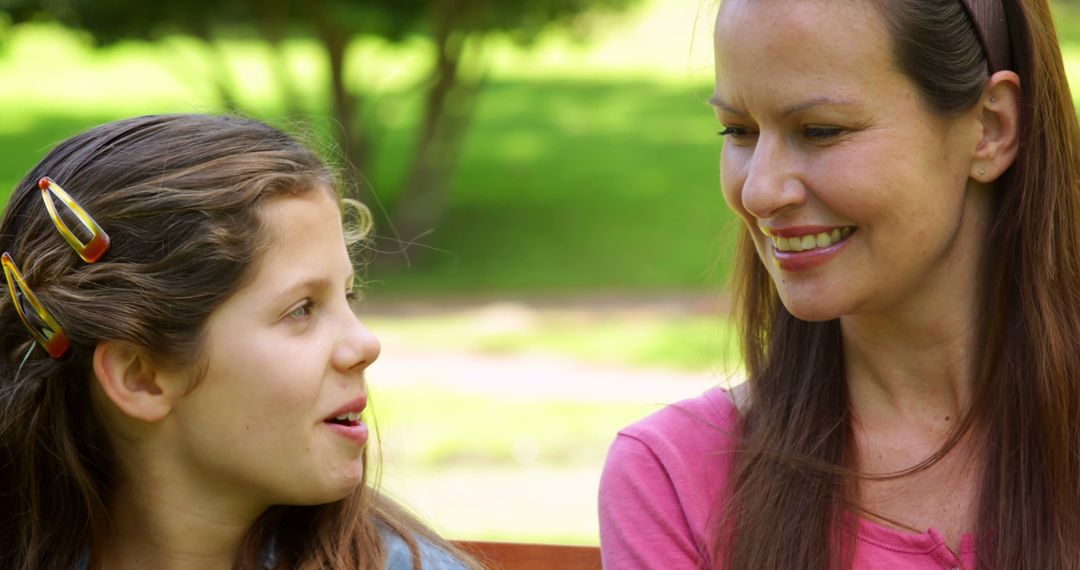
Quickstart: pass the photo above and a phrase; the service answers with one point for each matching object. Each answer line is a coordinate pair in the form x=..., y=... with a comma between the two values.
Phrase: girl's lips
x=355, y=406
x=356, y=431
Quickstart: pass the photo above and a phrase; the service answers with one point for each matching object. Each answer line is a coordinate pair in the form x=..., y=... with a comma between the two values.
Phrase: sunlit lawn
x=588, y=168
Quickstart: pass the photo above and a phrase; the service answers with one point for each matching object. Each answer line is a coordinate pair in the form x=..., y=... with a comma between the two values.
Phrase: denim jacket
x=398, y=556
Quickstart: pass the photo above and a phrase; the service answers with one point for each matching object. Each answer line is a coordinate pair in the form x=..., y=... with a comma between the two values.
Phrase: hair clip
x=40, y=322
x=90, y=251
x=45, y=330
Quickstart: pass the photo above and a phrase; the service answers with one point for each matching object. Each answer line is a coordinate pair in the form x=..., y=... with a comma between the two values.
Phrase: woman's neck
x=916, y=370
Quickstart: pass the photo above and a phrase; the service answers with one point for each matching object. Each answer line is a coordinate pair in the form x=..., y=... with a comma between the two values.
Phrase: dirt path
x=531, y=374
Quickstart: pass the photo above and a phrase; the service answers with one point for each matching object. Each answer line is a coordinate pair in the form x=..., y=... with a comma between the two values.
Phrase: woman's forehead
x=805, y=24
x=820, y=49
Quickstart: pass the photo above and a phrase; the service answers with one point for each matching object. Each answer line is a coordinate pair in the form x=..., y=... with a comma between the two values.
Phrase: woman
x=906, y=171
x=182, y=379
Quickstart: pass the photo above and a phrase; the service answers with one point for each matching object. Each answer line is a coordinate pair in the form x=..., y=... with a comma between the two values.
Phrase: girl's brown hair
x=793, y=481
x=180, y=197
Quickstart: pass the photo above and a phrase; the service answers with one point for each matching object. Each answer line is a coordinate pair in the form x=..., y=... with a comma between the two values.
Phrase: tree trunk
x=273, y=19
x=450, y=100
x=351, y=134
x=219, y=67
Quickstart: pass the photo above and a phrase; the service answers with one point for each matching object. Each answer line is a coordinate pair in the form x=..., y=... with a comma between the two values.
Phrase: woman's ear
x=133, y=383
x=1000, y=117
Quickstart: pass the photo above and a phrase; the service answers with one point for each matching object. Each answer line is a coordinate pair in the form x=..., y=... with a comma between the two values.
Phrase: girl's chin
x=331, y=489
x=323, y=497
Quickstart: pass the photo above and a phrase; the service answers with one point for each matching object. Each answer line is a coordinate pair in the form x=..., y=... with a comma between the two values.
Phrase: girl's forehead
x=304, y=234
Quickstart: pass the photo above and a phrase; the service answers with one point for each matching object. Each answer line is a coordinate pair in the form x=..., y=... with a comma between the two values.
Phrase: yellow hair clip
x=90, y=251
x=45, y=330
x=40, y=322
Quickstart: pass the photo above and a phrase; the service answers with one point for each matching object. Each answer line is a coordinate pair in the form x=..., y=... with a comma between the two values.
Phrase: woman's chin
x=811, y=310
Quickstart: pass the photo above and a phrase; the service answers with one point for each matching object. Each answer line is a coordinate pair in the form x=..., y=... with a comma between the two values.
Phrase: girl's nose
x=358, y=347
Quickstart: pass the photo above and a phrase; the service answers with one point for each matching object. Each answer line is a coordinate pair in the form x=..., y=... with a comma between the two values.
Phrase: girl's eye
x=822, y=133
x=302, y=311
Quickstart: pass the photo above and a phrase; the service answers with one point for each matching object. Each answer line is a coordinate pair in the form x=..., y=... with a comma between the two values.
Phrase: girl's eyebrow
x=313, y=284
x=717, y=101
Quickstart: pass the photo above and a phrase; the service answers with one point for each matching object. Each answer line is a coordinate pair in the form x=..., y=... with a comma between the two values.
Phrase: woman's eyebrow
x=717, y=101
x=817, y=102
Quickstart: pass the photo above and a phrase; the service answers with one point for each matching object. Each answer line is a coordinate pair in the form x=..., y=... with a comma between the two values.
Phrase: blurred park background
x=551, y=242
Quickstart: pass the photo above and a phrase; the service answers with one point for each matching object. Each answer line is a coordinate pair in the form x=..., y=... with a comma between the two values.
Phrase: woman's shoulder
x=661, y=481
x=708, y=420
x=399, y=557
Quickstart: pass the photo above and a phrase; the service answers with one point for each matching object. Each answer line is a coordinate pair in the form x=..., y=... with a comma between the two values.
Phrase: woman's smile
x=806, y=247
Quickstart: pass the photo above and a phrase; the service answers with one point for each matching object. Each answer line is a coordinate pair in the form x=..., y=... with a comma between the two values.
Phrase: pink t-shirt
x=662, y=479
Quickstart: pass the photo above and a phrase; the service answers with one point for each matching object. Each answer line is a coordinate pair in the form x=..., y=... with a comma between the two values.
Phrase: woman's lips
x=803, y=250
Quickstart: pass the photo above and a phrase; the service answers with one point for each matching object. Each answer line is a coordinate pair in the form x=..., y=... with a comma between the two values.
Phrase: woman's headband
x=989, y=19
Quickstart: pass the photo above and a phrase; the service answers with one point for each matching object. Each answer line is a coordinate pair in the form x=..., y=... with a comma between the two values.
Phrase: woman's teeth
x=810, y=241
x=350, y=417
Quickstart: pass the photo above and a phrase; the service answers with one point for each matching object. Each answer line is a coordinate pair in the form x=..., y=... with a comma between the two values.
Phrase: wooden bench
x=524, y=556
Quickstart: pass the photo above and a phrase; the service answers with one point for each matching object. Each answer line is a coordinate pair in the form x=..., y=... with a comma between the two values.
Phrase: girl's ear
x=133, y=383
x=1000, y=117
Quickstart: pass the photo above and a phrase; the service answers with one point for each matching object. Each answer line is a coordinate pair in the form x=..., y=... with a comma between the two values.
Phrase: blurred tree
x=455, y=28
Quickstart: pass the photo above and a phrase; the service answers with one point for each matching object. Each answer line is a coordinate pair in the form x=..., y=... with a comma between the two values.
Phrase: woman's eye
x=303, y=310
x=822, y=133
x=734, y=132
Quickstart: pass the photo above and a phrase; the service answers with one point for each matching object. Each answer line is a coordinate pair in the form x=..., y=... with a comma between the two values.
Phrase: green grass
x=448, y=428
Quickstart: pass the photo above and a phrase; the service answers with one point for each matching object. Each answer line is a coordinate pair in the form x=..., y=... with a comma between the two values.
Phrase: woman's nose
x=772, y=181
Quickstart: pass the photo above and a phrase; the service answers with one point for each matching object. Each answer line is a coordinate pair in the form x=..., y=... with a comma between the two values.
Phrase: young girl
x=182, y=373
x=907, y=176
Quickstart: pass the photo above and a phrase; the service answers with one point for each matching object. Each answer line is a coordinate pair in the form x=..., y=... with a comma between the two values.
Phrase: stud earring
x=993, y=99
x=982, y=172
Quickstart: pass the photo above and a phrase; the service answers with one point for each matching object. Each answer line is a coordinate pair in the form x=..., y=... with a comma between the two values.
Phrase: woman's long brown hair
x=793, y=480
x=179, y=196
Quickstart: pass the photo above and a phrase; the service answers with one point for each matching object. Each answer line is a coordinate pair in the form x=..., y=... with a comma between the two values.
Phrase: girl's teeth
x=350, y=417
x=812, y=241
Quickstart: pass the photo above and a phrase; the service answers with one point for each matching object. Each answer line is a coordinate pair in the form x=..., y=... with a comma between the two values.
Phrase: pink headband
x=989, y=19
